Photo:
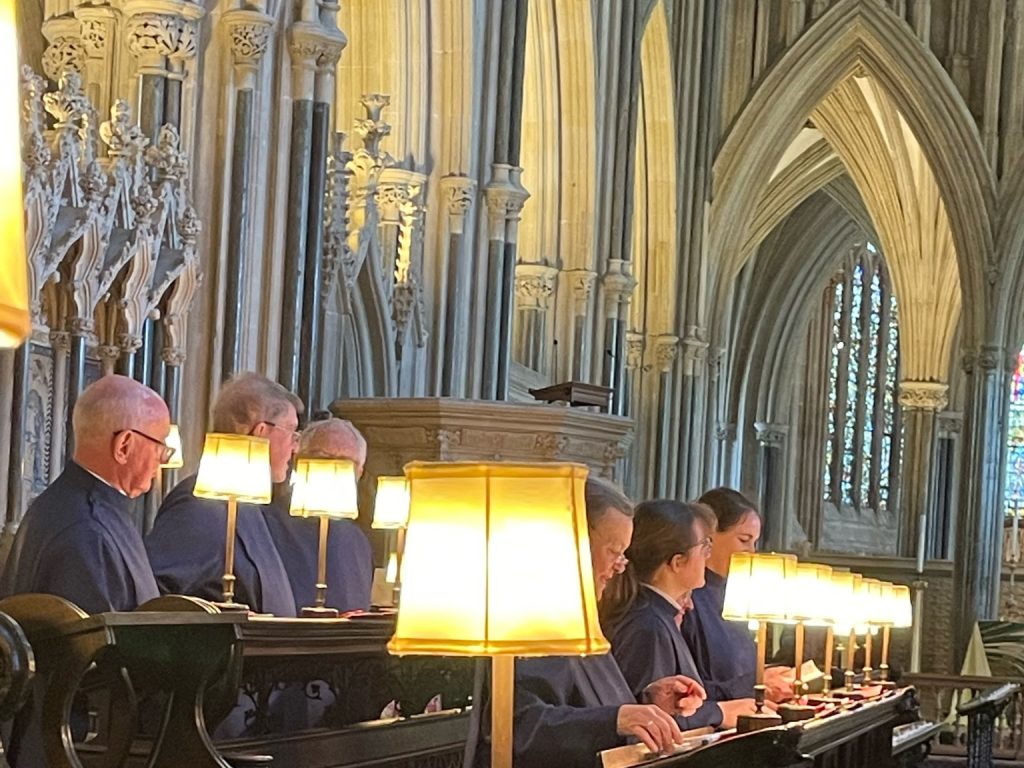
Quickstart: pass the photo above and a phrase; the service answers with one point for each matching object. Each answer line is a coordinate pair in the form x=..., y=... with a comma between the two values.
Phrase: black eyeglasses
x=165, y=456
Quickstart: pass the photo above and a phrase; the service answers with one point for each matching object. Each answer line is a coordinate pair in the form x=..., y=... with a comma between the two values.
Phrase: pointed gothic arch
x=857, y=36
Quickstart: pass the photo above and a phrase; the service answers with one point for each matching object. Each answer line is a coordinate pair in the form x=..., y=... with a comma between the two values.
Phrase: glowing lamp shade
x=391, y=506
x=868, y=604
x=15, y=320
x=497, y=562
x=901, y=613
x=844, y=592
x=809, y=595
x=757, y=587
x=177, y=460
x=234, y=467
x=324, y=488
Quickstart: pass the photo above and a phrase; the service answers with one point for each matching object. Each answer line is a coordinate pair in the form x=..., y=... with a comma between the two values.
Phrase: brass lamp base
x=319, y=612
x=760, y=718
x=229, y=606
x=793, y=713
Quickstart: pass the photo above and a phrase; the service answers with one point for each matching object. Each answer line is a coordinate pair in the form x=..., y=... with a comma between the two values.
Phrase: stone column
x=919, y=401
x=666, y=352
x=635, y=471
x=582, y=283
x=458, y=193
x=16, y=465
x=771, y=440
x=725, y=437
x=948, y=426
x=693, y=405
x=534, y=287
x=977, y=566
x=249, y=32
x=60, y=342
x=618, y=284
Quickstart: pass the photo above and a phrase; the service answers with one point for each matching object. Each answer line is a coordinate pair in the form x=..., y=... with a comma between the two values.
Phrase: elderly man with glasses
x=186, y=545
x=77, y=539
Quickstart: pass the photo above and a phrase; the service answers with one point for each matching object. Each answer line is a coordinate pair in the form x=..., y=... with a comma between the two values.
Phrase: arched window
x=1014, y=493
x=862, y=440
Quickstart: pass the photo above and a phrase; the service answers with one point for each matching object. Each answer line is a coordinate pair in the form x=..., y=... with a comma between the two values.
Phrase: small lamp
x=808, y=593
x=899, y=615
x=233, y=468
x=324, y=488
x=15, y=318
x=391, y=513
x=756, y=591
x=497, y=563
x=173, y=441
x=846, y=617
x=871, y=614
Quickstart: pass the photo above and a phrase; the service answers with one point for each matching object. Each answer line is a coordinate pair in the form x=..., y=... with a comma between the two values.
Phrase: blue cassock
x=77, y=540
x=648, y=646
x=349, y=557
x=186, y=548
x=566, y=708
x=725, y=652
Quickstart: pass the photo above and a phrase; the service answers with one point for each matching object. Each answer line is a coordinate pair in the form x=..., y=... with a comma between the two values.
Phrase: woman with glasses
x=643, y=609
x=725, y=652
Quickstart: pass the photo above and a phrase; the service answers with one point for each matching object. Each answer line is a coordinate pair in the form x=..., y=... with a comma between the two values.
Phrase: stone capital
x=158, y=29
x=62, y=56
x=636, y=344
x=923, y=395
x=666, y=351
x=250, y=33
x=725, y=431
x=173, y=356
x=96, y=27
x=582, y=283
x=618, y=284
x=458, y=193
x=535, y=285
x=770, y=435
x=949, y=423
x=505, y=198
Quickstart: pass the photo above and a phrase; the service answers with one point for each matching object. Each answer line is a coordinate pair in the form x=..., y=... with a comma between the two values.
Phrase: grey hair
x=113, y=404
x=249, y=398
x=601, y=496
x=334, y=439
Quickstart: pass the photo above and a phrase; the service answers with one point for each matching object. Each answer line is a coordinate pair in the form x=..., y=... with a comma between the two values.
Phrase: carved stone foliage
x=923, y=395
x=159, y=34
x=534, y=286
x=62, y=56
x=109, y=214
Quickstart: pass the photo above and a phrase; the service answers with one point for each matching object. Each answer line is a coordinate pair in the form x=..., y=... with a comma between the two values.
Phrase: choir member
x=77, y=539
x=645, y=607
x=725, y=652
x=349, y=555
x=569, y=708
x=186, y=545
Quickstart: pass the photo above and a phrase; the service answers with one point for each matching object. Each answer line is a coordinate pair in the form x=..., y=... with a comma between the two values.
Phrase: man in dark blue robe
x=349, y=555
x=77, y=539
x=725, y=652
x=648, y=646
x=186, y=545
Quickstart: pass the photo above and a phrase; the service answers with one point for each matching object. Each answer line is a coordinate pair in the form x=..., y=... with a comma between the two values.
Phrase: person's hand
x=778, y=682
x=734, y=708
x=676, y=695
x=655, y=728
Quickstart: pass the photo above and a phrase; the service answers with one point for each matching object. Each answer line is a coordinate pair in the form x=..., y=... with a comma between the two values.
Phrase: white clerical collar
x=104, y=480
x=673, y=601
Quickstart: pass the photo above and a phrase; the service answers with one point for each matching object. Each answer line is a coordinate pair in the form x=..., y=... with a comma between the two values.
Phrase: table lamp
x=808, y=598
x=900, y=615
x=323, y=488
x=15, y=319
x=391, y=513
x=844, y=586
x=497, y=563
x=173, y=441
x=871, y=611
x=233, y=468
x=756, y=592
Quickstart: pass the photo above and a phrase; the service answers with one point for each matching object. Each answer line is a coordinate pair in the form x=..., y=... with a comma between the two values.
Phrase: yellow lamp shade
x=497, y=561
x=901, y=612
x=809, y=595
x=756, y=589
x=15, y=319
x=844, y=603
x=234, y=467
x=324, y=488
x=868, y=605
x=177, y=460
x=391, y=505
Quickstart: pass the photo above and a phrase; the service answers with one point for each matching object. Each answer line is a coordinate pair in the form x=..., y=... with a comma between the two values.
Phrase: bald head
x=120, y=426
x=333, y=439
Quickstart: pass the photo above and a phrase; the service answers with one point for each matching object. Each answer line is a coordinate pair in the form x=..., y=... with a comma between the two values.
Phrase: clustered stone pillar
x=249, y=32
x=582, y=282
x=618, y=284
x=771, y=441
x=458, y=193
x=534, y=287
x=666, y=351
x=920, y=401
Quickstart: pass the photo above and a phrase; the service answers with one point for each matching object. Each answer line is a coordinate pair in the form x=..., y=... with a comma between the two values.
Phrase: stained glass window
x=862, y=446
x=1014, y=494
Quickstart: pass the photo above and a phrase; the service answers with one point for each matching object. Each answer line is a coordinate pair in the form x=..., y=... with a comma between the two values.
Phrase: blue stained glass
x=1014, y=492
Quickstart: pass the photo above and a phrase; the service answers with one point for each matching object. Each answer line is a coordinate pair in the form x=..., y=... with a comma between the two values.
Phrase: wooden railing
x=944, y=698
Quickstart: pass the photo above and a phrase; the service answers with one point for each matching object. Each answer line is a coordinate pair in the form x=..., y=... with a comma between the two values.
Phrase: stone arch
x=1007, y=317
x=857, y=36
